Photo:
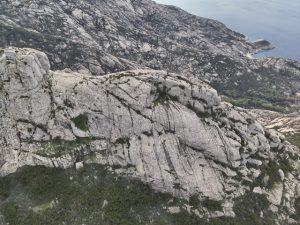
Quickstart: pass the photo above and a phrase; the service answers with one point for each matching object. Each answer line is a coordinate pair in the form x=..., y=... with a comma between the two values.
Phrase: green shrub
x=1, y=52
x=4, y=187
x=10, y=212
x=272, y=171
x=297, y=208
x=81, y=122
x=123, y=141
x=248, y=209
x=57, y=148
x=194, y=201
x=294, y=139
x=81, y=198
x=212, y=205
x=286, y=165
x=162, y=96
x=269, y=170
x=77, y=197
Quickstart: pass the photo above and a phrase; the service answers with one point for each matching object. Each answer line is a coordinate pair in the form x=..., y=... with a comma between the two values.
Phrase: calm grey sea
x=277, y=21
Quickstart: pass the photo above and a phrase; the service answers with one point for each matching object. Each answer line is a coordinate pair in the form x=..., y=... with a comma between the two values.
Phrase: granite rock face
x=121, y=103
x=102, y=37
x=169, y=131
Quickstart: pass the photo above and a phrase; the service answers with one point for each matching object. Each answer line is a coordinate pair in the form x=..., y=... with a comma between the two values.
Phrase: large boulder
x=169, y=131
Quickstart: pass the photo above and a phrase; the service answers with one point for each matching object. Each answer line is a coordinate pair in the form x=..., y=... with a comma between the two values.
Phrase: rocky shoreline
x=262, y=45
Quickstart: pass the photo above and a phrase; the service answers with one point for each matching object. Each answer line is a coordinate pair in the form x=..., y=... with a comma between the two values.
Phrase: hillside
x=101, y=37
x=129, y=112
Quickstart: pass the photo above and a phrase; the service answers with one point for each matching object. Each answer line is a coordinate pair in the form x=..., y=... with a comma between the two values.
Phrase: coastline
x=276, y=25
x=260, y=46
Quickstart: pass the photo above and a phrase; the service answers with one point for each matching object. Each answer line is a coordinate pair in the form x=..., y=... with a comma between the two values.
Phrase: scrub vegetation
x=96, y=195
x=294, y=139
x=81, y=122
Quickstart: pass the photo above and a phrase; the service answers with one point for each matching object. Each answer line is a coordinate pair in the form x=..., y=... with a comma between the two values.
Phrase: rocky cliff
x=167, y=130
x=133, y=90
x=101, y=37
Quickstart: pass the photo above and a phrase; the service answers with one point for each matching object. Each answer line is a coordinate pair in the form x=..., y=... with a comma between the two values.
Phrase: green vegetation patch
x=10, y=210
x=194, y=201
x=261, y=88
x=297, y=208
x=257, y=103
x=123, y=141
x=92, y=195
x=96, y=195
x=1, y=52
x=270, y=176
x=212, y=205
x=57, y=148
x=249, y=207
x=162, y=96
x=81, y=122
x=294, y=139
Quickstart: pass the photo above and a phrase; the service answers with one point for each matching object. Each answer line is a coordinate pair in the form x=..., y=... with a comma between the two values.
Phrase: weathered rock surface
x=169, y=131
x=285, y=123
x=101, y=37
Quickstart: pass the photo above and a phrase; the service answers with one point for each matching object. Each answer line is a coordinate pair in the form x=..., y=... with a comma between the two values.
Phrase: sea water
x=277, y=21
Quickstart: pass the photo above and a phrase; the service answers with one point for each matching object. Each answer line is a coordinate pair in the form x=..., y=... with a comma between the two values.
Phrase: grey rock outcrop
x=169, y=131
x=108, y=36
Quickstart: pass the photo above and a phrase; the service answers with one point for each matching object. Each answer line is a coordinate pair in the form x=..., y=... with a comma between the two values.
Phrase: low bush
x=294, y=139
x=81, y=122
x=212, y=205
x=96, y=195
